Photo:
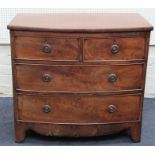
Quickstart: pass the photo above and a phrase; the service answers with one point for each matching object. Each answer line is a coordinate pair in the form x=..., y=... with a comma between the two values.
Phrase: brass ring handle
x=115, y=49
x=46, y=48
x=111, y=109
x=46, y=78
x=46, y=108
x=112, y=77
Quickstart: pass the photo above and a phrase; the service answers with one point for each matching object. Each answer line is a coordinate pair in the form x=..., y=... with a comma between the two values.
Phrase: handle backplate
x=115, y=49
x=112, y=77
x=46, y=108
x=46, y=48
x=111, y=109
x=46, y=78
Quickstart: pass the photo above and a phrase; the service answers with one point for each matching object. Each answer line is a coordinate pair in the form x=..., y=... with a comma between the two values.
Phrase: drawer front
x=46, y=48
x=79, y=109
x=79, y=78
x=114, y=48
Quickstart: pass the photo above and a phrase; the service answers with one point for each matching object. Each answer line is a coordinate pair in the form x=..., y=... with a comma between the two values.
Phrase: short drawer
x=78, y=78
x=35, y=48
x=114, y=48
x=79, y=109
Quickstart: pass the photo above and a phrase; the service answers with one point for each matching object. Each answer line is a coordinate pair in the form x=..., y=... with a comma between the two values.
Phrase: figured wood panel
x=78, y=78
x=78, y=109
x=100, y=49
x=32, y=48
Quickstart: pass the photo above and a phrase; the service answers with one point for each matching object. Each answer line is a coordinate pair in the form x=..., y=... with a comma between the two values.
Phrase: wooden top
x=81, y=22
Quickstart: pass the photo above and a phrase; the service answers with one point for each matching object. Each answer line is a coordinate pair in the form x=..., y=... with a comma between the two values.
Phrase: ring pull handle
x=111, y=109
x=112, y=77
x=46, y=78
x=46, y=48
x=115, y=49
x=46, y=108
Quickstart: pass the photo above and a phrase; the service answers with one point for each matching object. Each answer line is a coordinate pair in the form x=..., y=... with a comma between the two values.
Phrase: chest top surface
x=80, y=22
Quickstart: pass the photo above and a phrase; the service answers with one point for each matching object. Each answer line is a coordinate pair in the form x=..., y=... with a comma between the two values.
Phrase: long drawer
x=79, y=108
x=78, y=78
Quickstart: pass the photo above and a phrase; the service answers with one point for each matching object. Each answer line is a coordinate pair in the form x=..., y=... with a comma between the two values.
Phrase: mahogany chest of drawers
x=78, y=75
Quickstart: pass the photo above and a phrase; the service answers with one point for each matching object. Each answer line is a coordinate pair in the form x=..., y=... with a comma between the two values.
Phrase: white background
x=77, y=4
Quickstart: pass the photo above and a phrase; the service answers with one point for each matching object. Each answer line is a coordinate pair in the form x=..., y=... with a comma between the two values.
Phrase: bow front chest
x=78, y=75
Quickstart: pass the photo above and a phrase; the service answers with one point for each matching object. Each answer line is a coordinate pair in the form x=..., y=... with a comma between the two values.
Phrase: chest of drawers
x=78, y=75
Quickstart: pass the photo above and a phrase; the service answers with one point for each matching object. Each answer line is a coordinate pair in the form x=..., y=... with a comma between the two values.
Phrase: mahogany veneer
x=78, y=75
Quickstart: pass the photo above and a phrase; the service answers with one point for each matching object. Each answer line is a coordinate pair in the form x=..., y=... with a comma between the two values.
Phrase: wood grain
x=78, y=78
x=86, y=22
x=61, y=48
x=72, y=130
x=78, y=109
x=100, y=49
